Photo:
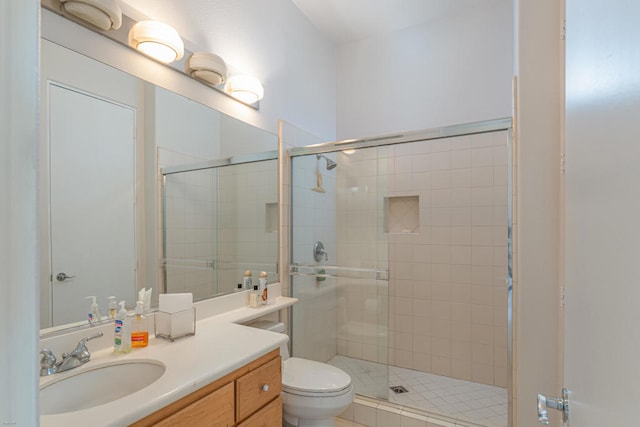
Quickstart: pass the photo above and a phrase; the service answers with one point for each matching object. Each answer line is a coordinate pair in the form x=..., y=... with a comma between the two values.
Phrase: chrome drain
x=398, y=389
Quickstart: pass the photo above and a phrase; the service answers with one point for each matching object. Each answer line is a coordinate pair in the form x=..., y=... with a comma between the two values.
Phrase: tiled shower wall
x=190, y=226
x=447, y=287
x=220, y=222
x=248, y=227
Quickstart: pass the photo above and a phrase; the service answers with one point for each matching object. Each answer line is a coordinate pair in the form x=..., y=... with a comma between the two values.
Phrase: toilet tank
x=273, y=326
x=269, y=325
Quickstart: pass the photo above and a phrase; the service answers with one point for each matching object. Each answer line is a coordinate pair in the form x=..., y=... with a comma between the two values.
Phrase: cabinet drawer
x=214, y=410
x=269, y=416
x=250, y=394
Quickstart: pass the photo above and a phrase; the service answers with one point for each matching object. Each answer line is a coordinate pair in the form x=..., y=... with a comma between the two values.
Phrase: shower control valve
x=319, y=252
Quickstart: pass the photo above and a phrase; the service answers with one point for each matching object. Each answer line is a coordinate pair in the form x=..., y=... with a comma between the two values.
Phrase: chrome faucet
x=79, y=356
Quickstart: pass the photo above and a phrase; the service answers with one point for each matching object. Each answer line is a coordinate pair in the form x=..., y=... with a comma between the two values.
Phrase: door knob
x=61, y=277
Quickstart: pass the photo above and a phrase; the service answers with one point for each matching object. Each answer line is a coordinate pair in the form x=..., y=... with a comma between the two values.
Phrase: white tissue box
x=172, y=303
x=172, y=326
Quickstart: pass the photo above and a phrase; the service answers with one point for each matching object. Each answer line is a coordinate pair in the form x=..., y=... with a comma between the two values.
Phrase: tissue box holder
x=171, y=326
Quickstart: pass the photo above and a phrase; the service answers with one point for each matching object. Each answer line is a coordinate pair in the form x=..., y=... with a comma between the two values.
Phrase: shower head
x=330, y=163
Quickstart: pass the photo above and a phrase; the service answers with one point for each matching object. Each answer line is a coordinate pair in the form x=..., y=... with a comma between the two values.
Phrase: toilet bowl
x=313, y=393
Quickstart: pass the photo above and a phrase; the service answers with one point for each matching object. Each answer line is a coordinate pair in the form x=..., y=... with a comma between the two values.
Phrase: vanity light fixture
x=207, y=67
x=247, y=89
x=103, y=14
x=157, y=40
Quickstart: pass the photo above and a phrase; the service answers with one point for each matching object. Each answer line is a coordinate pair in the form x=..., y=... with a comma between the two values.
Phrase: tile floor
x=459, y=400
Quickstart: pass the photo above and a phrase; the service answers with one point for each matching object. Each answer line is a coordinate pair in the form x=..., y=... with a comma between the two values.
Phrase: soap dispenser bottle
x=112, y=307
x=139, y=327
x=94, y=310
x=122, y=335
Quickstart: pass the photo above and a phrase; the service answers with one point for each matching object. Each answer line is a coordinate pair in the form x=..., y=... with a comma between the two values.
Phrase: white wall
x=19, y=50
x=271, y=40
x=453, y=70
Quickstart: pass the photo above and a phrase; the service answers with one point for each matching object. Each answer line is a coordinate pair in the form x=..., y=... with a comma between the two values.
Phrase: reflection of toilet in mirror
x=313, y=393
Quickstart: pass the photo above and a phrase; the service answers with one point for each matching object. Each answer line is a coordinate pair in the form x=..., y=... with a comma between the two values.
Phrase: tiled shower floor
x=462, y=400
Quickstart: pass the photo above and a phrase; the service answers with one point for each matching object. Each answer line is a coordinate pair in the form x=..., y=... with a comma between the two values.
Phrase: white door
x=92, y=143
x=602, y=221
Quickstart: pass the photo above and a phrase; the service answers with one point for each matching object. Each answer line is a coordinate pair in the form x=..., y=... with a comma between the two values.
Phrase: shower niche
x=402, y=214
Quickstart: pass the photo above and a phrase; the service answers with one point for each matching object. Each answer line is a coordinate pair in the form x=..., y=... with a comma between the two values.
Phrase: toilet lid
x=311, y=376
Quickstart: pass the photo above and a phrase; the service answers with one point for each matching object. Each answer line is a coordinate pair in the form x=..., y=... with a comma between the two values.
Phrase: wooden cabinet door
x=213, y=410
x=250, y=388
x=269, y=416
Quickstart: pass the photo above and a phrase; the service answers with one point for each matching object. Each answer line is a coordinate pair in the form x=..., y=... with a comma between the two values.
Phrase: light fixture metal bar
x=121, y=36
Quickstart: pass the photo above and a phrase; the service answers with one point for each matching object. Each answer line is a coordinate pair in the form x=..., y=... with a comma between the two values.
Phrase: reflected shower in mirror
x=220, y=219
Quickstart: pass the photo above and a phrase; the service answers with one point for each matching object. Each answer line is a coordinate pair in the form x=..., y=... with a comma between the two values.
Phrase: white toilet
x=313, y=393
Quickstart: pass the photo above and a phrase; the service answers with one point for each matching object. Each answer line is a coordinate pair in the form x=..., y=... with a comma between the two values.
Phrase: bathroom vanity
x=226, y=374
x=246, y=397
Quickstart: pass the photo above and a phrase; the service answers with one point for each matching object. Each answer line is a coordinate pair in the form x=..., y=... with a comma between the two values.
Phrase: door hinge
x=563, y=163
x=559, y=403
x=562, y=295
x=563, y=29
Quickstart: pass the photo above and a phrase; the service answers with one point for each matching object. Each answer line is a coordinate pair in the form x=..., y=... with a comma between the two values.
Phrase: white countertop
x=219, y=347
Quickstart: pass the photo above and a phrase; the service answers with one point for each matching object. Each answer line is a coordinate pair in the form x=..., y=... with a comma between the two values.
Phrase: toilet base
x=288, y=421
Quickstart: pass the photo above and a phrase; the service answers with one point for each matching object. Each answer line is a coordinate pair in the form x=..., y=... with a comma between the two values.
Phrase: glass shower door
x=342, y=315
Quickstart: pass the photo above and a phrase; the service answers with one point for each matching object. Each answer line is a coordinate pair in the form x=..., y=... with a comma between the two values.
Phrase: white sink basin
x=83, y=388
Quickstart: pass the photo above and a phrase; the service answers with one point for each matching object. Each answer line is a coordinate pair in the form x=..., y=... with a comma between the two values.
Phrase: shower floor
x=479, y=404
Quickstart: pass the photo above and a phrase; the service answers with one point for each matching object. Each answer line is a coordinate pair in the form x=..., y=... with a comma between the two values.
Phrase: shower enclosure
x=412, y=295
x=220, y=218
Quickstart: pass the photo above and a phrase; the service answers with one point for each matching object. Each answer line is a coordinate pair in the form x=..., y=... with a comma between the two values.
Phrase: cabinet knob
x=265, y=387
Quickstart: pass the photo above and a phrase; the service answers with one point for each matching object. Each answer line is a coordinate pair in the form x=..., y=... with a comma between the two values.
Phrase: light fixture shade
x=247, y=89
x=104, y=14
x=157, y=40
x=206, y=67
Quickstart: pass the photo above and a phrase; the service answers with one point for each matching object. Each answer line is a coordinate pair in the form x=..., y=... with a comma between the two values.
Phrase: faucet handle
x=90, y=337
x=48, y=358
x=81, y=351
x=47, y=363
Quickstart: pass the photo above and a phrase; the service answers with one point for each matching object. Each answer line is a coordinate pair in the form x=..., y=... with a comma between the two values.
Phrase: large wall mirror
x=144, y=188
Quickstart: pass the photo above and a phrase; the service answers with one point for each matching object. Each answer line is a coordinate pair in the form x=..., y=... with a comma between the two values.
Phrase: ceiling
x=344, y=21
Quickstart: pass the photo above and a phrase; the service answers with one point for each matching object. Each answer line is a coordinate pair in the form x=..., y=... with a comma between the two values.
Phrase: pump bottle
x=139, y=328
x=122, y=333
x=112, y=307
x=94, y=310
